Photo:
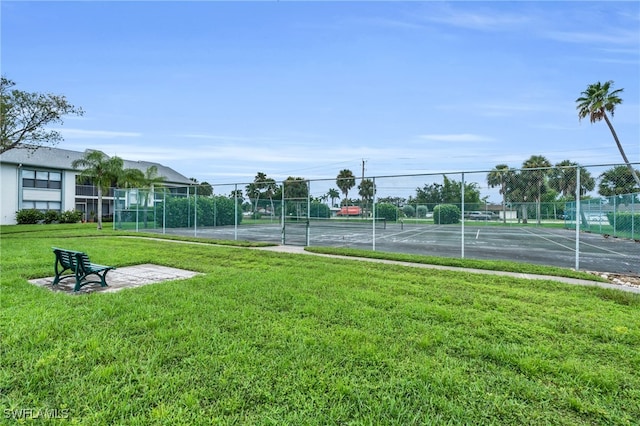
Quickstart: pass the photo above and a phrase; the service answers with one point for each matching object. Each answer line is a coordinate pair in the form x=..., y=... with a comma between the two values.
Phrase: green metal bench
x=81, y=268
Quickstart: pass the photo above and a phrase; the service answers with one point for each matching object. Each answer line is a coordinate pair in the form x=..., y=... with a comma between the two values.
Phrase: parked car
x=481, y=216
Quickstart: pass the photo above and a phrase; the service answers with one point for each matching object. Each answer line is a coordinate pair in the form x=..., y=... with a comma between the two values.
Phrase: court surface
x=538, y=245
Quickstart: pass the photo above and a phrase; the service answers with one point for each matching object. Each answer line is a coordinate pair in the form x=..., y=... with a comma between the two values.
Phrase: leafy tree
x=616, y=182
x=562, y=178
x=408, y=210
x=203, y=189
x=396, y=201
x=387, y=211
x=296, y=191
x=101, y=171
x=25, y=117
x=534, y=179
x=594, y=103
x=446, y=214
x=345, y=181
x=499, y=176
x=295, y=188
x=450, y=192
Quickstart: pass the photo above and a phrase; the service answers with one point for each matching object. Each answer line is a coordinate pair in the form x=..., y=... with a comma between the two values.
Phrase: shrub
x=445, y=214
x=624, y=221
x=409, y=211
x=51, y=216
x=319, y=210
x=422, y=211
x=387, y=211
x=70, y=216
x=212, y=211
x=29, y=216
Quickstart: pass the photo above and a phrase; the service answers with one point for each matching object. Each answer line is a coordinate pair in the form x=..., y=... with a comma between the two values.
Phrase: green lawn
x=269, y=338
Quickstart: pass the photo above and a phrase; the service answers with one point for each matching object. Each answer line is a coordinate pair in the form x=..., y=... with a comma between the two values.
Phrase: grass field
x=270, y=338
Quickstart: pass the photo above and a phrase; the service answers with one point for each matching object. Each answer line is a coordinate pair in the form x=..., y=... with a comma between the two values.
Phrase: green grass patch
x=89, y=229
x=271, y=338
x=494, y=265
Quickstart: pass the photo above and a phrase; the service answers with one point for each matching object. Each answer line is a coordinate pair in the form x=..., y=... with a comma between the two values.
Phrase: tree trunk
x=99, y=207
x=504, y=203
x=624, y=156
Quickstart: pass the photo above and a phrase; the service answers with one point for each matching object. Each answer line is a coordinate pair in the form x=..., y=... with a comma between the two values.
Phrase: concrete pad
x=121, y=278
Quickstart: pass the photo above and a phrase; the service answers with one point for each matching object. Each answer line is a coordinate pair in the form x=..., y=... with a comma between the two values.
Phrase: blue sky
x=222, y=90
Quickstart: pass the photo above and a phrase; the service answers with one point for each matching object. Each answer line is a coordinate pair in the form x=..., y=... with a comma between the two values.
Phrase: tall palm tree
x=594, y=103
x=149, y=181
x=270, y=188
x=563, y=179
x=367, y=191
x=333, y=194
x=499, y=176
x=345, y=181
x=535, y=171
x=101, y=171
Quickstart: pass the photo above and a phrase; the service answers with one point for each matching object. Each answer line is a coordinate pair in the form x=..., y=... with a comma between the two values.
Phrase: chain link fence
x=582, y=217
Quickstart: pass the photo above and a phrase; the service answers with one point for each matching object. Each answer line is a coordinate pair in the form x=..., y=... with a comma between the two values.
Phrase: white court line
x=551, y=241
x=592, y=246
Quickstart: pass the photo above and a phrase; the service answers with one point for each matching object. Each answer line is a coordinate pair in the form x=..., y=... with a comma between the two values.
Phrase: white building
x=44, y=180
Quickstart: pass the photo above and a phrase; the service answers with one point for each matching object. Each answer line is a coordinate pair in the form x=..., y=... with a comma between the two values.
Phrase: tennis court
x=538, y=245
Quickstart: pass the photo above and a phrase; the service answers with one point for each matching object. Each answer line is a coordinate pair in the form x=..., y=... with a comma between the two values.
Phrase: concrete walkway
x=573, y=281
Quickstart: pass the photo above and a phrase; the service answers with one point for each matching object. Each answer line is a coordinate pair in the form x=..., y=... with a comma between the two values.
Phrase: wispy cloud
x=478, y=19
x=457, y=137
x=617, y=37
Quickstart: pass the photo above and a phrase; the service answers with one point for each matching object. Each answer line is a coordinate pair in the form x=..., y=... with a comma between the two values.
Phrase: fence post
x=235, y=213
x=373, y=214
x=164, y=211
x=462, y=213
x=137, y=204
x=578, y=203
x=195, y=211
x=282, y=214
x=308, y=236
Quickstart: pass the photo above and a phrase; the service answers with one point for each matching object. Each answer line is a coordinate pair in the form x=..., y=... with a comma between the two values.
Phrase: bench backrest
x=67, y=258
x=83, y=261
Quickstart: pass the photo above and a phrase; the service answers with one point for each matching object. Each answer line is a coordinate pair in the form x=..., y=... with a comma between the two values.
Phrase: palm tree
x=345, y=181
x=333, y=194
x=367, y=190
x=499, y=177
x=595, y=102
x=101, y=171
x=150, y=180
x=270, y=188
x=563, y=179
x=535, y=171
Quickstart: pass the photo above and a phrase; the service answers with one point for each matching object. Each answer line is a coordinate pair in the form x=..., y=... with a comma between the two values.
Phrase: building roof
x=56, y=158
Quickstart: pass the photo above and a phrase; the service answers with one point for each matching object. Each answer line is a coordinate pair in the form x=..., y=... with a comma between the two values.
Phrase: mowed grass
x=268, y=338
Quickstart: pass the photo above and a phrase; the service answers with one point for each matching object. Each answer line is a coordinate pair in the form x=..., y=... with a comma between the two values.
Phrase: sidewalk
x=572, y=281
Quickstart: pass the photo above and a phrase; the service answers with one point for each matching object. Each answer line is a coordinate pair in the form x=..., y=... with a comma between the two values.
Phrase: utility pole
x=362, y=187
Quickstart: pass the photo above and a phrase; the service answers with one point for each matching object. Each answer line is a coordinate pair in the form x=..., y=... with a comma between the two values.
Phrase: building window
x=42, y=205
x=40, y=179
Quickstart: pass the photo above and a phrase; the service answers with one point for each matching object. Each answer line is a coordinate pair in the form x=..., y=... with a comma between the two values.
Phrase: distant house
x=44, y=180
